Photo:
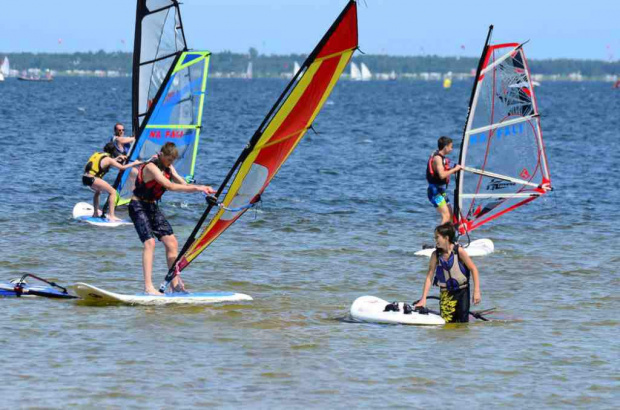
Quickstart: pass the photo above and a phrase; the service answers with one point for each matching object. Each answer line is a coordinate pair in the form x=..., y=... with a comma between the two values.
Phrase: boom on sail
x=276, y=137
x=502, y=150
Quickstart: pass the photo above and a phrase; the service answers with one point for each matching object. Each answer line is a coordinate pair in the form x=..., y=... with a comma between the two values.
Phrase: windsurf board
x=371, y=309
x=479, y=247
x=83, y=211
x=94, y=294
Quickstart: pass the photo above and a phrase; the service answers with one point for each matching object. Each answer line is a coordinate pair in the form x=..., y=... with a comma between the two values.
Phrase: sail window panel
x=151, y=78
x=511, y=149
x=180, y=101
x=161, y=35
x=158, y=4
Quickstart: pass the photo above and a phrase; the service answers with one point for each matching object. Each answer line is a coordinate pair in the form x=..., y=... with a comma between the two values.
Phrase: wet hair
x=115, y=127
x=447, y=230
x=443, y=142
x=170, y=150
x=109, y=148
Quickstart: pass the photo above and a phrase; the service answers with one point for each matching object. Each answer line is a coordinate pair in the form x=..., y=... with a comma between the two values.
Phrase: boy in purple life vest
x=452, y=268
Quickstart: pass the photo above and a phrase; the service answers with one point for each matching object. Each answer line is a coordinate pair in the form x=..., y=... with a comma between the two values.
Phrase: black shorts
x=148, y=220
x=454, y=305
x=88, y=180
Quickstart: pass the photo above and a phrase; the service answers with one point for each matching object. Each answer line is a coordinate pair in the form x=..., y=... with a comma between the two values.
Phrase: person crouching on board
x=98, y=165
x=438, y=173
x=452, y=268
x=154, y=178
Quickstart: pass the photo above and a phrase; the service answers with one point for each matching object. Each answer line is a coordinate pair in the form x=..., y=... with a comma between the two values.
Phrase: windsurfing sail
x=365, y=72
x=356, y=74
x=249, y=72
x=277, y=136
x=502, y=150
x=168, y=88
x=5, y=67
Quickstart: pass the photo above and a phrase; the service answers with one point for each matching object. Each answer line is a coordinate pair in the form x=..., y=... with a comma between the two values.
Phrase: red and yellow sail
x=283, y=129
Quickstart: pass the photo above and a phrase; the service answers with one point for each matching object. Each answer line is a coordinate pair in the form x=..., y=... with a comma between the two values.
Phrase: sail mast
x=459, y=176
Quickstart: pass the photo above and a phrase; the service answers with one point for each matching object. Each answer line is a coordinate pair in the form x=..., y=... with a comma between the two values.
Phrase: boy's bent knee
x=149, y=243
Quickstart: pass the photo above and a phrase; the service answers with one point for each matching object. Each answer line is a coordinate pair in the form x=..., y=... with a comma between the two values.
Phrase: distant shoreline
x=235, y=65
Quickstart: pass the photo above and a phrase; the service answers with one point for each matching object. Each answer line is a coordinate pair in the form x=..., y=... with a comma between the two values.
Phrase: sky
x=556, y=29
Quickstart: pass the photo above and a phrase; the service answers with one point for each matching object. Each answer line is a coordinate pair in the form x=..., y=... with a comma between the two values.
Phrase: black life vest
x=152, y=190
x=451, y=274
x=431, y=175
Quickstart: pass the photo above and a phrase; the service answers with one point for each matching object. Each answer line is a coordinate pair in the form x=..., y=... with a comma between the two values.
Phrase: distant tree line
x=274, y=65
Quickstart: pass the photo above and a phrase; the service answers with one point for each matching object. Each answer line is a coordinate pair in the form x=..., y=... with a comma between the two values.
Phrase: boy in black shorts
x=154, y=178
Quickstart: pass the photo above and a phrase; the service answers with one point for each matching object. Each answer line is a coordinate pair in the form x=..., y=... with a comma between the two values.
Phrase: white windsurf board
x=371, y=309
x=94, y=294
x=479, y=247
x=83, y=211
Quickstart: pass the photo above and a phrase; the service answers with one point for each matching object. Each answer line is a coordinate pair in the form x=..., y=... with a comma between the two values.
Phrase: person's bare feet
x=152, y=291
x=114, y=219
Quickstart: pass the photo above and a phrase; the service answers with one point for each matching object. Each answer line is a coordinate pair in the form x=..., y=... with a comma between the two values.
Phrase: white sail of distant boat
x=356, y=74
x=248, y=71
x=4, y=69
x=366, y=74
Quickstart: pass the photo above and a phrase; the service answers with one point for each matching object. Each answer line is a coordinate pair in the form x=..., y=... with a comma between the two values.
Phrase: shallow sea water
x=342, y=219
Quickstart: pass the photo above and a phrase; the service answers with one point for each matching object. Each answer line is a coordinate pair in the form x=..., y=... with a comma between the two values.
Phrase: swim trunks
x=148, y=220
x=454, y=305
x=437, y=195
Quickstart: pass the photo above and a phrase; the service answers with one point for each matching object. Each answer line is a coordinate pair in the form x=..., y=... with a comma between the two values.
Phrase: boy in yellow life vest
x=97, y=166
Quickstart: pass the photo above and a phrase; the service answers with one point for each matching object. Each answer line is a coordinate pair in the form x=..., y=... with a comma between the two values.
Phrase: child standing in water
x=452, y=268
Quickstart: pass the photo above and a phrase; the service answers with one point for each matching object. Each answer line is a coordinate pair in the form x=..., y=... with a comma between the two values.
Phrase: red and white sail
x=502, y=148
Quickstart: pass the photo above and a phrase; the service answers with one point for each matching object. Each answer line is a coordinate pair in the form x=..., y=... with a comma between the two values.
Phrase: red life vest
x=431, y=175
x=152, y=190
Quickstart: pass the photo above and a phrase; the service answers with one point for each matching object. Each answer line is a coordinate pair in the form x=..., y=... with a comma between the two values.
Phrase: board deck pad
x=479, y=247
x=94, y=294
x=83, y=211
x=371, y=309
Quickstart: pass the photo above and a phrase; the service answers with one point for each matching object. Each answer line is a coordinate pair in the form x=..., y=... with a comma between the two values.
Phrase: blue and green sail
x=169, y=83
x=175, y=117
